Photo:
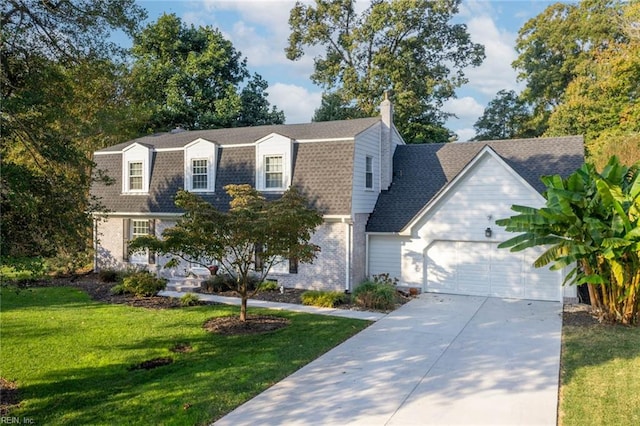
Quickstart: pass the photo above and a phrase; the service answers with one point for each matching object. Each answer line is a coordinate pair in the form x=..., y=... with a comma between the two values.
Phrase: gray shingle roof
x=322, y=170
x=242, y=135
x=422, y=171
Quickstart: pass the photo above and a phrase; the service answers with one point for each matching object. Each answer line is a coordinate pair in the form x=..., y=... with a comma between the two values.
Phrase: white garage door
x=481, y=269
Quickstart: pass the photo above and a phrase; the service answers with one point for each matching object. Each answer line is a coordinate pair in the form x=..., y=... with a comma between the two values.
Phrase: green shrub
x=118, y=289
x=372, y=295
x=219, y=283
x=323, y=299
x=189, y=299
x=108, y=275
x=269, y=286
x=142, y=284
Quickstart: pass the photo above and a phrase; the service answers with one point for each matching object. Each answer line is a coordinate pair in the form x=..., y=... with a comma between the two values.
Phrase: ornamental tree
x=591, y=222
x=247, y=240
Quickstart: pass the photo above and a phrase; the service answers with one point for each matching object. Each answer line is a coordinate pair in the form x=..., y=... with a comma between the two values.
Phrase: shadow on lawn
x=598, y=344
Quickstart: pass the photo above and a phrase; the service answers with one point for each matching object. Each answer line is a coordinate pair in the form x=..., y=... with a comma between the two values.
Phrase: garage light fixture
x=488, y=232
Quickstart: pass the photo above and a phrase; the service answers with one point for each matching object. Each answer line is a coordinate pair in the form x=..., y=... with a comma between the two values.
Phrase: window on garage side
x=368, y=172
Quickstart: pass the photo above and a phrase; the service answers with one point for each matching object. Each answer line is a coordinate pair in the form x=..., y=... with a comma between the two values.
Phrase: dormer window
x=273, y=163
x=199, y=174
x=136, y=168
x=273, y=172
x=199, y=166
x=135, y=176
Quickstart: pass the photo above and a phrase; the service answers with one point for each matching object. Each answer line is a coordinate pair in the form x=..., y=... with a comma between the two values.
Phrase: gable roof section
x=326, y=130
x=421, y=172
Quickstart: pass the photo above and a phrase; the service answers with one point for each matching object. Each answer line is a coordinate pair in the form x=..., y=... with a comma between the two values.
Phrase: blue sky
x=259, y=29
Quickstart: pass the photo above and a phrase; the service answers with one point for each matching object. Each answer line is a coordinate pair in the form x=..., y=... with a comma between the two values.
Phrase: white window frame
x=268, y=172
x=136, y=154
x=140, y=257
x=131, y=176
x=271, y=146
x=199, y=173
x=368, y=173
x=200, y=149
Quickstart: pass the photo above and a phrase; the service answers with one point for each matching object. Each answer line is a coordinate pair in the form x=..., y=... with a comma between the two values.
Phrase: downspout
x=366, y=255
x=95, y=244
x=347, y=286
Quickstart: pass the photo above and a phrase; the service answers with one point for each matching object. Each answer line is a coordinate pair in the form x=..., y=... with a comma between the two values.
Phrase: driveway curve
x=439, y=359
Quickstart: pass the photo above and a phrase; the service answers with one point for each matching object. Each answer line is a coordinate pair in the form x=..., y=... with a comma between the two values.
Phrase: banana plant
x=589, y=224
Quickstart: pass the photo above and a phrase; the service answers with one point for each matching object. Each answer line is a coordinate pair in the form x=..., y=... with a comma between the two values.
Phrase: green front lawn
x=71, y=358
x=600, y=376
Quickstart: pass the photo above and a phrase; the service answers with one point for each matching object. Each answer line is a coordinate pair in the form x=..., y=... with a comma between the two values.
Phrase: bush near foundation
x=375, y=295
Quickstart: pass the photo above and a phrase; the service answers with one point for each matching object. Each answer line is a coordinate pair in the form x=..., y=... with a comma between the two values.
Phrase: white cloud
x=298, y=103
x=466, y=108
x=465, y=134
x=496, y=72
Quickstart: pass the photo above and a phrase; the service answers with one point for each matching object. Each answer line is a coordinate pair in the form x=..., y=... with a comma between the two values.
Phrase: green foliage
x=189, y=77
x=143, y=284
x=189, y=299
x=554, y=44
x=22, y=268
x=323, y=299
x=409, y=47
x=333, y=107
x=375, y=295
x=277, y=229
x=505, y=117
x=62, y=96
x=102, y=339
x=119, y=289
x=589, y=223
x=219, y=283
x=269, y=286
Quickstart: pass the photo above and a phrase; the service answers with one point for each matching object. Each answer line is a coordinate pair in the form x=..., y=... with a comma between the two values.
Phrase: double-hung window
x=199, y=174
x=135, y=176
x=273, y=172
x=139, y=228
x=368, y=173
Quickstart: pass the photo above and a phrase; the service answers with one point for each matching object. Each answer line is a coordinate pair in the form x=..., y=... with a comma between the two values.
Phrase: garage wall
x=484, y=194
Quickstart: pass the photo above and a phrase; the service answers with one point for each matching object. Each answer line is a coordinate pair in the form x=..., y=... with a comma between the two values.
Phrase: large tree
x=190, y=77
x=333, y=107
x=247, y=240
x=59, y=86
x=552, y=45
x=601, y=102
x=504, y=117
x=590, y=223
x=408, y=46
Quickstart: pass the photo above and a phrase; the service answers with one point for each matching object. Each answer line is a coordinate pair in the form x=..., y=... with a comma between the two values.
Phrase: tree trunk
x=243, y=308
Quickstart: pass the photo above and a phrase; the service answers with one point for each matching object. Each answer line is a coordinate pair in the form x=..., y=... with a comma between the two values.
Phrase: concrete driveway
x=440, y=359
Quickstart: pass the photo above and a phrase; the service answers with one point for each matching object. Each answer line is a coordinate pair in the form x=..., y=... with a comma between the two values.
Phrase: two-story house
x=341, y=166
x=422, y=213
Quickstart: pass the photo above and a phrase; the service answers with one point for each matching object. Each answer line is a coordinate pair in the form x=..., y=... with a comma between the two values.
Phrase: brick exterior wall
x=327, y=272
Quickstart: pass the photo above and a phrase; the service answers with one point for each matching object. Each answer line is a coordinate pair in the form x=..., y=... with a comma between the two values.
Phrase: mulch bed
x=255, y=324
x=9, y=398
x=578, y=315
